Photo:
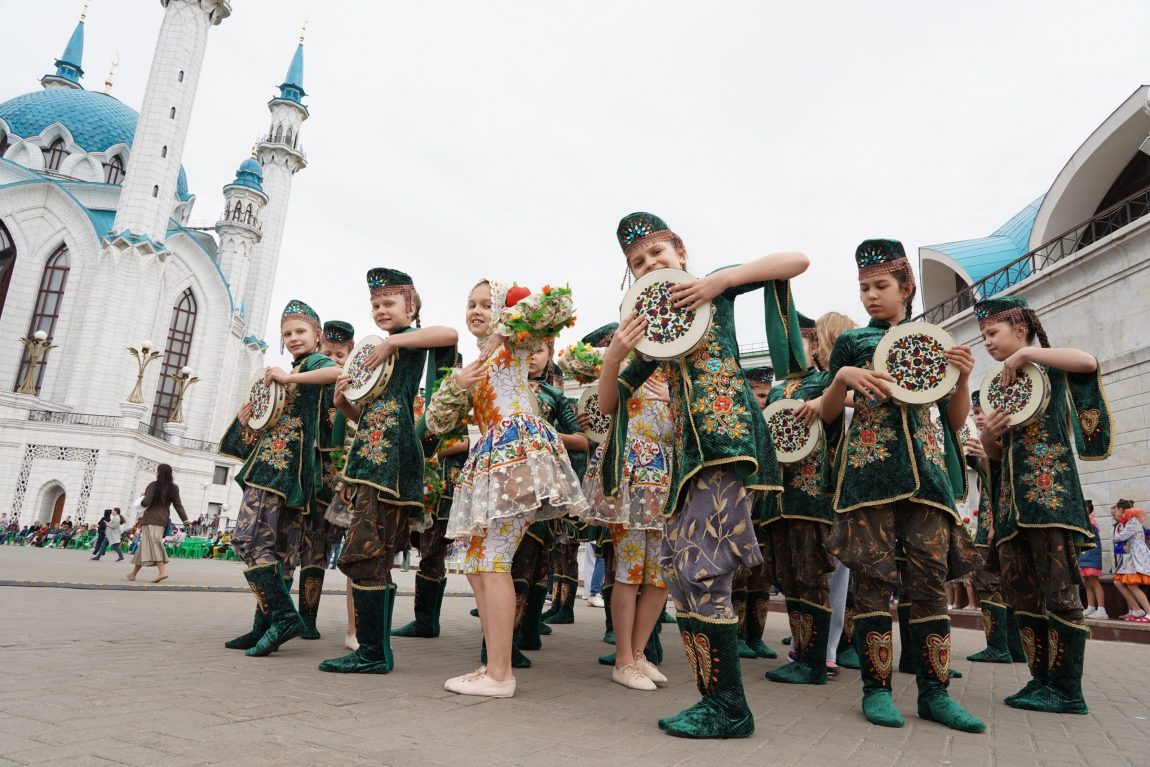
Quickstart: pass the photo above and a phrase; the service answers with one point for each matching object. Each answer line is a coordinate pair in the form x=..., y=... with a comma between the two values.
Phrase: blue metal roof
x=96, y=121
x=250, y=174
x=292, y=87
x=980, y=257
x=68, y=65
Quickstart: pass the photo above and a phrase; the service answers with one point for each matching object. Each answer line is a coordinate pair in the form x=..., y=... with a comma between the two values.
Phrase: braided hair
x=903, y=277
x=1030, y=317
x=416, y=302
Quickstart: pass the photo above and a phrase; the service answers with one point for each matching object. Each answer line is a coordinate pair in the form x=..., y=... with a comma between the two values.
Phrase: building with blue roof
x=99, y=256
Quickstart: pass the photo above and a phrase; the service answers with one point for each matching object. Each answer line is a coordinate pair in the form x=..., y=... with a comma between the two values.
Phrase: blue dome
x=250, y=174
x=96, y=120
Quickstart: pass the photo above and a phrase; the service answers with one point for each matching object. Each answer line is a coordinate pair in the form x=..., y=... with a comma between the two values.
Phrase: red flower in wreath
x=867, y=437
x=722, y=404
x=808, y=470
x=277, y=444
x=1044, y=480
x=375, y=437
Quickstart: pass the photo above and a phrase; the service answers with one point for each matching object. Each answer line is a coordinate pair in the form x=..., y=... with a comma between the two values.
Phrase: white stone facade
x=130, y=263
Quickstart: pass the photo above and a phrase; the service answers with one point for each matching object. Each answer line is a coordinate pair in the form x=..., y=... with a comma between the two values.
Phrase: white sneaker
x=1100, y=614
x=597, y=601
x=1089, y=612
x=630, y=676
x=350, y=642
x=455, y=680
x=649, y=669
x=482, y=686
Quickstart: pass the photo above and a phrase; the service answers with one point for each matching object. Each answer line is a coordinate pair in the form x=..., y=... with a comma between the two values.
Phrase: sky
x=464, y=139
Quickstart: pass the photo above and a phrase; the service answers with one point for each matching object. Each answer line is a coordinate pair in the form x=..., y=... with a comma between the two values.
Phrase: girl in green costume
x=721, y=462
x=1040, y=516
x=894, y=486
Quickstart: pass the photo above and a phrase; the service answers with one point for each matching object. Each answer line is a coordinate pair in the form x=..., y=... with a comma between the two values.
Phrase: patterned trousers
x=266, y=532
x=433, y=545
x=800, y=559
x=988, y=586
x=1040, y=573
x=707, y=539
x=315, y=540
x=372, y=539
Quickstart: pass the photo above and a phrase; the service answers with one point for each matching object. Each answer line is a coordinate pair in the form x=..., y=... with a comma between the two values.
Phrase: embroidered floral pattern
x=716, y=390
x=879, y=652
x=929, y=436
x=1010, y=399
x=357, y=368
x=870, y=437
x=260, y=397
x=665, y=322
x=377, y=419
x=937, y=652
x=1089, y=420
x=1044, y=463
x=279, y=443
x=600, y=423
x=807, y=478
x=788, y=432
x=916, y=362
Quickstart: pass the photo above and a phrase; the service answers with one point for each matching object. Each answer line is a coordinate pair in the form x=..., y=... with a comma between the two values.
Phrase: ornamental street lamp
x=37, y=346
x=184, y=379
x=144, y=357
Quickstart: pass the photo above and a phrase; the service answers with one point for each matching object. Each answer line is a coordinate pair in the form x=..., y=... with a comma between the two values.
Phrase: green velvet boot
x=259, y=626
x=374, y=606
x=518, y=659
x=310, y=590
x=724, y=712
x=1065, y=655
x=1032, y=630
x=687, y=623
x=668, y=618
x=567, y=596
x=284, y=622
x=994, y=625
x=846, y=655
x=875, y=648
x=931, y=640
x=554, y=608
x=1014, y=638
x=757, y=606
x=811, y=625
x=529, y=634
x=739, y=603
x=426, y=596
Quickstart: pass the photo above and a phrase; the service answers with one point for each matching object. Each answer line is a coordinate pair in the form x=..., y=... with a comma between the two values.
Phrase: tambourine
x=1025, y=400
x=969, y=430
x=913, y=355
x=671, y=331
x=793, y=438
x=600, y=425
x=366, y=383
x=267, y=401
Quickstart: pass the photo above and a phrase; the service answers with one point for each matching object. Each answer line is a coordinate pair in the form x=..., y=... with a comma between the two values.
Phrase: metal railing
x=199, y=444
x=1102, y=225
x=152, y=431
x=80, y=419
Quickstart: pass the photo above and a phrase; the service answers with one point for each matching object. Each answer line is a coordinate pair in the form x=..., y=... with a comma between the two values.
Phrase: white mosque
x=97, y=259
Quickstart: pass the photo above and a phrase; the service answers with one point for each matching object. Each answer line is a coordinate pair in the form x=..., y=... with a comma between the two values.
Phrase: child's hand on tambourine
x=341, y=384
x=962, y=358
x=693, y=294
x=245, y=413
x=997, y=423
x=1011, y=364
x=974, y=448
x=810, y=411
x=623, y=341
x=584, y=420
x=380, y=353
x=278, y=375
x=657, y=390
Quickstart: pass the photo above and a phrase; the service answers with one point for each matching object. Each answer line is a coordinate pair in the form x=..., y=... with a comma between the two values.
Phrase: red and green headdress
x=1001, y=309
x=875, y=257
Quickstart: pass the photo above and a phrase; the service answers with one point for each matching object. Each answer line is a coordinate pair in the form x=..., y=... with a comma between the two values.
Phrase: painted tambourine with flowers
x=266, y=399
x=913, y=355
x=671, y=331
x=794, y=439
x=366, y=383
x=1025, y=400
x=600, y=425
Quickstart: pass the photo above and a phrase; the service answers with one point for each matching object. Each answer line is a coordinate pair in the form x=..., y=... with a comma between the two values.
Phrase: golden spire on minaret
x=112, y=71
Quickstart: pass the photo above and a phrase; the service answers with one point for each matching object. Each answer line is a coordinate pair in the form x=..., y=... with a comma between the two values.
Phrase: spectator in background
x=113, y=533
x=159, y=499
x=1090, y=565
x=101, y=536
x=1131, y=560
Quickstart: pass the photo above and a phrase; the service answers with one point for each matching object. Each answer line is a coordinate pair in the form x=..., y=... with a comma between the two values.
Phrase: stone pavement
x=107, y=677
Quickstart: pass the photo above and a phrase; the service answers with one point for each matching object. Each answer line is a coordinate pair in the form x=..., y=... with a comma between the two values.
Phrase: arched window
x=156, y=191
x=7, y=264
x=47, y=311
x=238, y=212
x=4, y=144
x=55, y=155
x=164, y=151
x=114, y=171
x=279, y=134
x=181, y=77
x=249, y=217
x=288, y=138
x=176, y=355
